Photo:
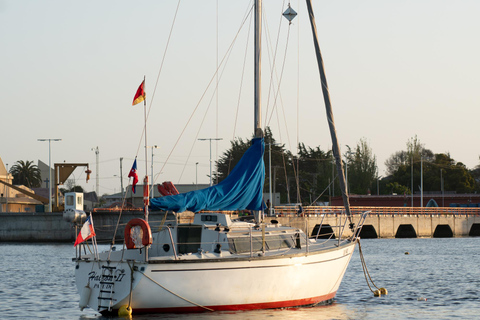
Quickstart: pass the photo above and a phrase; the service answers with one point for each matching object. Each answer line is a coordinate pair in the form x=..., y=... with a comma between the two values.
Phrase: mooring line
x=189, y=301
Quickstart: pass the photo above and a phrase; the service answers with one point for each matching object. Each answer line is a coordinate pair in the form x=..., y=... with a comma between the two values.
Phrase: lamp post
x=348, y=154
x=97, y=168
x=270, y=213
x=6, y=192
x=421, y=181
x=210, y=139
x=196, y=175
x=441, y=187
x=49, y=171
x=152, y=147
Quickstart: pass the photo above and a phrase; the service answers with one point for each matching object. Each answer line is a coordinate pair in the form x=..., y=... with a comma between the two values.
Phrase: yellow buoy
x=125, y=311
x=383, y=291
x=377, y=293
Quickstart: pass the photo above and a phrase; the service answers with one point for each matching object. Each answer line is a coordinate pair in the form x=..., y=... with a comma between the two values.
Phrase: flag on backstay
x=86, y=232
x=133, y=173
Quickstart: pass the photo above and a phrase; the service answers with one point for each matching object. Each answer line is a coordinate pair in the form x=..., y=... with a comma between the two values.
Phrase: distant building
x=12, y=200
x=43, y=167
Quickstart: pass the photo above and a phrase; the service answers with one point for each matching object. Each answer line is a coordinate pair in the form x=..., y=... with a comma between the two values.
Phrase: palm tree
x=26, y=173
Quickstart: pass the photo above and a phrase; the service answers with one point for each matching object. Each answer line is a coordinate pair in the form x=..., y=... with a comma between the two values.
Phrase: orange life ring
x=146, y=234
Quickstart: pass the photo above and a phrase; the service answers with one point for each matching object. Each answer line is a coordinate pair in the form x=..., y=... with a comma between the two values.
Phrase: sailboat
x=216, y=263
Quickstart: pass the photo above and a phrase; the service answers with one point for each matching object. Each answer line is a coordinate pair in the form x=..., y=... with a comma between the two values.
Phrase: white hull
x=201, y=284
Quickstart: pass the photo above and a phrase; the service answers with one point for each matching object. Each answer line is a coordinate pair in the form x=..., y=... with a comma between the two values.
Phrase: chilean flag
x=86, y=232
x=133, y=173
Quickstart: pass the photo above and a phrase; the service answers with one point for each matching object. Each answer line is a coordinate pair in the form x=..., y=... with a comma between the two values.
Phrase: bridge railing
x=296, y=210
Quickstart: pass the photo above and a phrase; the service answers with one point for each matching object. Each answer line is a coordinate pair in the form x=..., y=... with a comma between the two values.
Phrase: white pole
x=49, y=171
x=421, y=182
x=210, y=139
x=441, y=187
x=196, y=175
x=270, y=210
x=270, y=178
x=6, y=192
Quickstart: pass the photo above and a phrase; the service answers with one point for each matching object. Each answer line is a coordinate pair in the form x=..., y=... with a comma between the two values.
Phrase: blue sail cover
x=242, y=189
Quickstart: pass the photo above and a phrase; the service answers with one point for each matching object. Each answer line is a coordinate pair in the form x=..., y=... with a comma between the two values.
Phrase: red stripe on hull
x=242, y=307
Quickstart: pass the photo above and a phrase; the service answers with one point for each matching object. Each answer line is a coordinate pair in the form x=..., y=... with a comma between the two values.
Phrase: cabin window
x=69, y=200
x=272, y=242
x=188, y=238
x=242, y=245
x=209, y=218
x=79, y=200
x=279, y=241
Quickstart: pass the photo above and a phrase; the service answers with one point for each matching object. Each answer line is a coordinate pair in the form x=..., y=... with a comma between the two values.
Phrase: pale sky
x=70, y=69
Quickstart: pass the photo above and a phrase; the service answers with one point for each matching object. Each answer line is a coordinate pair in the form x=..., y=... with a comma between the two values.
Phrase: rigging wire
x=159, y=72
x=240, y=90
x=278, y=96
x=223, y=66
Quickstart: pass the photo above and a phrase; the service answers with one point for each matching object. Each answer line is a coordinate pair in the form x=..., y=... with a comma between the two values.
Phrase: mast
x=258, y=81
x=331, y=123
x=145, y=180
x=258, y=132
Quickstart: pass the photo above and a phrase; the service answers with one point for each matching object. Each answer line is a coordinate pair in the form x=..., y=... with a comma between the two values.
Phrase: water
x=36, y=281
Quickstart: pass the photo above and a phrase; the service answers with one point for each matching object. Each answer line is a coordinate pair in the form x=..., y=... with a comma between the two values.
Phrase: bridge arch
x=475, y=230
x=443, y=231
x=406, y=231
x=325, y=232
x=368, y=232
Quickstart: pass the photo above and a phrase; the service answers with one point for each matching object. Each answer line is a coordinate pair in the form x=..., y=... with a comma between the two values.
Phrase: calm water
x=37, y=282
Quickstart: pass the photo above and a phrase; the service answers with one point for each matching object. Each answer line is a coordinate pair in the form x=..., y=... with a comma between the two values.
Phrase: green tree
x=315, y=173
x=26, y=173
x=362, y=168
x=432, y=168
x=230, y=158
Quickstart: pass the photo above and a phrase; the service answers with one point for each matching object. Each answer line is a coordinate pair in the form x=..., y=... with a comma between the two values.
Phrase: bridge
x=385, y=222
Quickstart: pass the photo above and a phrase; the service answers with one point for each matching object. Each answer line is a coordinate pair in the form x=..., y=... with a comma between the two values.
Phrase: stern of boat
x=105, y=286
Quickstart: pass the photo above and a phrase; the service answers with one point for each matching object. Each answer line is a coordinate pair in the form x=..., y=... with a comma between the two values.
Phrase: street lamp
x=152, y=147
x=347, y=155
x=196, y=175
x=6, y=192
x=210, y=139
x=270, y=213
x=49, y=171
x=442, y=189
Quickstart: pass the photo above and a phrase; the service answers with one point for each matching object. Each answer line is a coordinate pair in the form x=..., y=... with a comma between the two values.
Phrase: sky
x=69, y=70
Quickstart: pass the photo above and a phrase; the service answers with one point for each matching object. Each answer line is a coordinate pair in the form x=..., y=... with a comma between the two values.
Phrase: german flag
x=140, y=95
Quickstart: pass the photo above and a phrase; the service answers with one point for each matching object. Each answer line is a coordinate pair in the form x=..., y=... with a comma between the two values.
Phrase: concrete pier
x=389, y=222
x=50, y=227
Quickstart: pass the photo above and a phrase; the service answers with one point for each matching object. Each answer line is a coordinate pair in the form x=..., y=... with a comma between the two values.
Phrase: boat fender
x=145, y=234
x=85, y=297
x=125, y=311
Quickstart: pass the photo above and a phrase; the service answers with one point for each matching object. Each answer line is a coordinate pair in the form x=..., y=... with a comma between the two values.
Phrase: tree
x=414, y=153
x=26, y=173
x=362, y=168
x=230, y=158
x=432, y=168
x=315, y=171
